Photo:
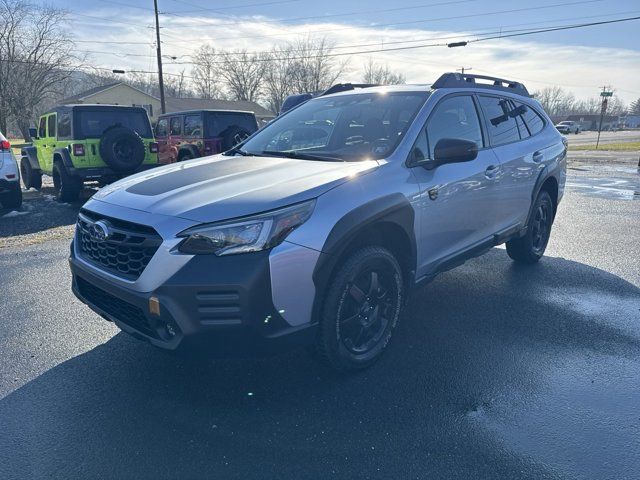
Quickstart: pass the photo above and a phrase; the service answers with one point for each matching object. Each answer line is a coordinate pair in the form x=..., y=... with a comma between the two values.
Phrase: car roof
x=93, y=106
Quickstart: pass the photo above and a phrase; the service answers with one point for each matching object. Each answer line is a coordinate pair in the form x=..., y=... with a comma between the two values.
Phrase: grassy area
x=613, y=147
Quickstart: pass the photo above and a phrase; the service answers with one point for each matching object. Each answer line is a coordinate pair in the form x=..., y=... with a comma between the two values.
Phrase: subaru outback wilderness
x=312, y=231
x=78, y=143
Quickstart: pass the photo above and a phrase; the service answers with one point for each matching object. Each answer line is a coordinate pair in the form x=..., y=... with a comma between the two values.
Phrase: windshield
x=345, y=127
x=93, y=123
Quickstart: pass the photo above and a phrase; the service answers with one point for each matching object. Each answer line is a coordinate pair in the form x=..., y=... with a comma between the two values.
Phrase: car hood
x=221, y=187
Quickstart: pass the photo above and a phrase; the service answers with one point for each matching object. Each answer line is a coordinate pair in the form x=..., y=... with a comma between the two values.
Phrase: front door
x=456, y=201
x=162, y=137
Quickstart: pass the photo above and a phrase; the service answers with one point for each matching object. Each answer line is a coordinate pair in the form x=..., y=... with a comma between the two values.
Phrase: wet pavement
x=619, y=182
x=496, y=371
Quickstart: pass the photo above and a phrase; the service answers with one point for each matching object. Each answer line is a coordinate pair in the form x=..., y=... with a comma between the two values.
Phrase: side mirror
x=33, y=132
x=454, y=150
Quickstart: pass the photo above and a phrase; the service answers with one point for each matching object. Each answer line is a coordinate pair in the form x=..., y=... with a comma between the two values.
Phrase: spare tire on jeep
x=232, y=136
x=122, y=149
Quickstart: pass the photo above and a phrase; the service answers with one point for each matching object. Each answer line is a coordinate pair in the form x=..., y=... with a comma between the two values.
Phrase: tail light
x=78, y=150
x=5, y=145
x=153, y=147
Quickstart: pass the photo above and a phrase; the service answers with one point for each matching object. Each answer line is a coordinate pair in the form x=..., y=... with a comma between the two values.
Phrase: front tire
x=13, y=198
x=530, y=248
x=67, y=187
x=361, y=309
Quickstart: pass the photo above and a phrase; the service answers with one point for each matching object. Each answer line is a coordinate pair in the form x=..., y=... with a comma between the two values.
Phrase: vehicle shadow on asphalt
x=484, y=336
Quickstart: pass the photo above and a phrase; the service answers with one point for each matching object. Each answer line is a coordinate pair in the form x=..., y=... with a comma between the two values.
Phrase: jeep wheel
x=361, y=309
x=67, y=188
x=530, y=248
x=122, y=149
x=13, y=198
x=184, y=157
x=30, y=177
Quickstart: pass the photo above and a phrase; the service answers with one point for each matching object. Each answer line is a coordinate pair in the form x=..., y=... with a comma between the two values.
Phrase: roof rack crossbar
x=467, y=80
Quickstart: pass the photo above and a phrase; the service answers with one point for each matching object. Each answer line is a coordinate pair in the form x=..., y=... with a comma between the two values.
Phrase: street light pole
x=159, y=53
x=461, y=70
x=603, y=108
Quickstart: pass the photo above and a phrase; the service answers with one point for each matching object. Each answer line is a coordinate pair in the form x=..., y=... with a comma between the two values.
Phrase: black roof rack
x=343, y=87
x=467, y=80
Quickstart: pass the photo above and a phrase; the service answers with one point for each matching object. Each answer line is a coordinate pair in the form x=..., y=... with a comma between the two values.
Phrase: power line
x=428, y=20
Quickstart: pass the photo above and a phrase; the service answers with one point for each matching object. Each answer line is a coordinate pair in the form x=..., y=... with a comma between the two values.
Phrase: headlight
x=248, y=234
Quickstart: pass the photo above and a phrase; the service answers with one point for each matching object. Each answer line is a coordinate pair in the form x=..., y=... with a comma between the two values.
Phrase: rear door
x=162, y=137
x=457, y=201
x=520, y=161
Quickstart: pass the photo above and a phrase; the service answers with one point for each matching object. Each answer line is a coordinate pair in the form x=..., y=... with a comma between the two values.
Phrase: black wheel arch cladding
x=393, y=210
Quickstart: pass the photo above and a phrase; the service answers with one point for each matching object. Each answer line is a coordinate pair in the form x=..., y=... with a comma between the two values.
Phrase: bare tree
x=36, y=59
x=315, y=69
x=206, y=79
x=243, y=74
x=381, y=74
x=176, y=85
x=278, y=76
x=634, y=108
x=556, y=100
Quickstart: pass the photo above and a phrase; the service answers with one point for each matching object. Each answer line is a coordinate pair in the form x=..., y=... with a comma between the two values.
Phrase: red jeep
x=198, y=133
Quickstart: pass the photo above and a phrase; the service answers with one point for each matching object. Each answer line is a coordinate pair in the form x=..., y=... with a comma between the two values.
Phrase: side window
x=42, y=128
x=176, y=126
x=51, y=126
x=454, y=117
x=534, y=121
x=501, y=120
x=193, y=125
x=161, y=128
x=64, y=126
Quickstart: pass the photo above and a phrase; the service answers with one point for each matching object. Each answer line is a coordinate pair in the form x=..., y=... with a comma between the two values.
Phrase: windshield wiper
x=300, y=155
x=239, y=151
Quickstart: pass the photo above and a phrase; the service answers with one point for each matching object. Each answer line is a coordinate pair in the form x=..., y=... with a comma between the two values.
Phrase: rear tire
x=30, y=177
x=13, y=198
x=530, y=248
x=360, y=310
x=67, y=187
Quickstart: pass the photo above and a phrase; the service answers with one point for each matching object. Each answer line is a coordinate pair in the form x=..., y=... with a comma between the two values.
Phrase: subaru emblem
x=99, y=231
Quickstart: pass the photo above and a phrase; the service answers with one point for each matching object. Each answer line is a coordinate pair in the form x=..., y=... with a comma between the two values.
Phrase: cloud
x=578, y=68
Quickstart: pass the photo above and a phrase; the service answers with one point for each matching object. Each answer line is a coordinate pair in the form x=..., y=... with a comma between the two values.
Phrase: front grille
x=125, y=252
x=115, y=307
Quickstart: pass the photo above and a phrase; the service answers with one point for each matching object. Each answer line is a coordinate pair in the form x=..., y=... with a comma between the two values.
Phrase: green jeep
x=78, y=143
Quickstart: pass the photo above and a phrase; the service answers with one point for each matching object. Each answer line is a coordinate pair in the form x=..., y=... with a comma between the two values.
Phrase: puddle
x=606, y=187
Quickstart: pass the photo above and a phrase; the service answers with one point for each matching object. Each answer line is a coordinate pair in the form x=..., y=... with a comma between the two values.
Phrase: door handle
x=491, y=171
x=538, y=157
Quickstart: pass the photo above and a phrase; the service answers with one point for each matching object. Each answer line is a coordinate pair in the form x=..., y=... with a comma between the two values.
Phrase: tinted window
x=534, y=121
x=193, y=125
x=454, y=117
x=348, y=127
x=176, y=126
x=524, y=132
x=219, y=123
x=51, y=126
x=500, y=120
x=64, y=126
x=161, y=128
x=42, y=129
x=93, y=123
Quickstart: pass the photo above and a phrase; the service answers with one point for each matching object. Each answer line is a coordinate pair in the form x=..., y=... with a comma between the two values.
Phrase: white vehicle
x=569, y=126
x=10, y=192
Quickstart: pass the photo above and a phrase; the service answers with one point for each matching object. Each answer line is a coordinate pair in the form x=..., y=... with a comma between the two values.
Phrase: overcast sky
x=581, y=60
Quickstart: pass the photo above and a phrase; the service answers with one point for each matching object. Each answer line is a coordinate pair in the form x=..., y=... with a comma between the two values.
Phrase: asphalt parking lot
x=495, y=371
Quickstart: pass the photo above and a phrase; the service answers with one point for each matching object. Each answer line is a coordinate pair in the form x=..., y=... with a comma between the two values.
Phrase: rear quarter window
x=534, y=121
x=162, y=127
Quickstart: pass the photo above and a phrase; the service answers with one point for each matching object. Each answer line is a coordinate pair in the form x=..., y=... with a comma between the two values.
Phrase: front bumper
x=217, y=306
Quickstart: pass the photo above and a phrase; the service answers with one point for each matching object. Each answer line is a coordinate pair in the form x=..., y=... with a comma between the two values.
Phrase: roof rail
x=467, y=80
x=343, y=87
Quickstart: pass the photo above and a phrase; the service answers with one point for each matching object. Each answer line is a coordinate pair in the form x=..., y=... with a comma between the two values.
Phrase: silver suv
x=312, y=231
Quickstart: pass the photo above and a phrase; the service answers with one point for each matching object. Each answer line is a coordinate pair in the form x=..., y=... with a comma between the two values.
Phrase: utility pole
x=159, y=53
x=461, y=70
x=605, y=94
